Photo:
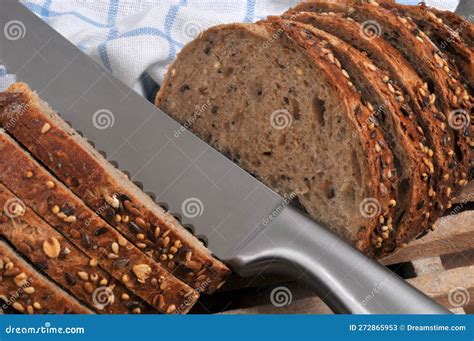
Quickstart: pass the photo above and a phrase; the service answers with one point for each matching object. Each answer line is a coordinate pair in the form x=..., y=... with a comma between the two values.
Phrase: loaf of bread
x=108, y=191
x=57, y=205
x=395, y=118
x=404, y=76
x=299, y=125
x=250, y=74
x=28, y=292
x=63, y=262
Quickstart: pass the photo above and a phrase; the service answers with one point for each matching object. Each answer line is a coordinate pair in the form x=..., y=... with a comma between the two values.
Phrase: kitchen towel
x=137, y=39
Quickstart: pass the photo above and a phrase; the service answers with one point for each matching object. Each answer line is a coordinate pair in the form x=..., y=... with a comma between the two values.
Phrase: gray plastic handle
x=345, y=279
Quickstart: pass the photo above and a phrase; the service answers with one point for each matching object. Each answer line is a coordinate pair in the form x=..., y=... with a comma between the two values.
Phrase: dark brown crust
x=457, y=53
x=462, y=26
x=403, y=78
x=19, y=279
x=92, y=182
x=27, y=233
x=89, y=233
x=380, y=163
x=389, y=102
x=420, y=51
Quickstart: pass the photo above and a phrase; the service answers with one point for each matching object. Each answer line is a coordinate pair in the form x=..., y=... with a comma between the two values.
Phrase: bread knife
x=244, y=223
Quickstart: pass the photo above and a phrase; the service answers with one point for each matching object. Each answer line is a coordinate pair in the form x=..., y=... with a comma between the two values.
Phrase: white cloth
x=131, y=37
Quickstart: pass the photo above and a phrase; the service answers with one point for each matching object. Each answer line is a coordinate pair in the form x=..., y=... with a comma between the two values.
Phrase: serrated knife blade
x=246, y=224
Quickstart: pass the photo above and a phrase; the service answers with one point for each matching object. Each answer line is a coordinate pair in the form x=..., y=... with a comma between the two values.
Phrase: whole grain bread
x=108, y=191
x=395, y=119
x=405, y=82
x=29, y=292
x=441, y=84
x=291, y=117
x=462, y=27
x=57, y=205
x=63, y=262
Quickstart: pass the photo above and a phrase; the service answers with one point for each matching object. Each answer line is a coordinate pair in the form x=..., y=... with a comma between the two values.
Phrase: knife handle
x=345, y=279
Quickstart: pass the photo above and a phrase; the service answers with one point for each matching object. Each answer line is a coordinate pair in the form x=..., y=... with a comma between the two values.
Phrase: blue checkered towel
x=134, y=37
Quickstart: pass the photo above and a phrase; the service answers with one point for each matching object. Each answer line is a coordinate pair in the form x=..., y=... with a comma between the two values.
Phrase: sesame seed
x=344, y=72
x=37, y=305
x=118, y=218
x=125, y=297
x=29, y=174
x=372, y=67
x=46, y=127
x=103, y=281
x=392, y=203
x=419, y=38
x=122, y=241
x=55, y=209
x=377, y=148
x=70, y=219
x=462, y=182
x=83, y=275
x=391, y=88
x=385, y=235
x=115, y=248
x=29, y=290
x=140, y=236
x=384, y=228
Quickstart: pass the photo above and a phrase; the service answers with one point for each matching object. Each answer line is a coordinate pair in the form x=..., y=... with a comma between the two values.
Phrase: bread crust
x=28, y=292
x=376, y=86
x=50, y=199
x=32, y=237
x=157, y=233
x=462, y=26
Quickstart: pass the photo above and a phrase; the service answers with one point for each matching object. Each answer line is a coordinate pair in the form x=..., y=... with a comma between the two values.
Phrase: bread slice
x=405, y=82
x=63, y=262
x=291, y=118
x=395, y=119
x=442, y=85
x=29, y=292
x=107, y=190
x=57, y=205
x=461, y=26
x=457, y=53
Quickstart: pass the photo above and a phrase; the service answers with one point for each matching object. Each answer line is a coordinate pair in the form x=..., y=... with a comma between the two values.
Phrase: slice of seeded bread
x=403, y=80
x=291, y=117
x=401, y=133
x=441, y=84
x=457, y=53
x=60, y=260
x=29, y=292
x=106, y=190
x=64, y=211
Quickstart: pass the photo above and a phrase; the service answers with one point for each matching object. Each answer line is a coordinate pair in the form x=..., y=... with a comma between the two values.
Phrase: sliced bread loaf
x=441, y=84
x=395, y=119
x=106, y=190
x=461, y=26
x=29, y=292
x=290, y=116
x=57, y=205
x=402, y=80
x=63, y=262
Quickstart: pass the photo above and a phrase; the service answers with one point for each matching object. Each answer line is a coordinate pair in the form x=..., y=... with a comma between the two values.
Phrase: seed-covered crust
x=92, y=235
x=107, y=191
x=462, y=26
x=379, y=155
x=61, y=261
x=28, y=292
x=396, y=120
